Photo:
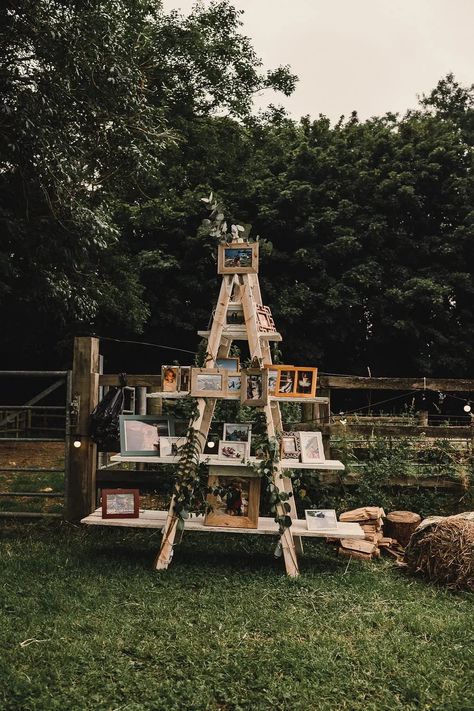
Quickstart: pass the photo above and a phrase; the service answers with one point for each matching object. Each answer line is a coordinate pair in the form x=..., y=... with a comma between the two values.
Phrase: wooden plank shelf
x=272, y=398
x=240, y=334
x=266, y=526
x=328, y=465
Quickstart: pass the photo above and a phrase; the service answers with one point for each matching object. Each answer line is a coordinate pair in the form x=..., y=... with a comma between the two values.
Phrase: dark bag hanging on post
x=104, y=422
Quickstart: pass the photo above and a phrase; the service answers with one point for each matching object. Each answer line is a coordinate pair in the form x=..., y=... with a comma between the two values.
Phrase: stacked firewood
x=370, y=519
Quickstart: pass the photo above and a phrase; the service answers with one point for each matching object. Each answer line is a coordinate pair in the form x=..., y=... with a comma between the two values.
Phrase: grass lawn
x=223, y=629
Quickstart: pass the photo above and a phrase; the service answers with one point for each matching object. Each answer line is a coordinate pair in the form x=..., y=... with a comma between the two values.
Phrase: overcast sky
x=373, y=56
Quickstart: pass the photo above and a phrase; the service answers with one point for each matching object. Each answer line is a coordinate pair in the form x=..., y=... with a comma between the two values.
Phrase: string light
x=467, y=407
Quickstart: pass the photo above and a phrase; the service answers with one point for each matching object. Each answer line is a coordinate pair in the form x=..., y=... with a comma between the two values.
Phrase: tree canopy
x=118, y=117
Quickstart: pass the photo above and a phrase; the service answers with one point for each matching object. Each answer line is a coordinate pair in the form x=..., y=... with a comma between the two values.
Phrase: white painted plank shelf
x=328, y=465
x=266, y=526
x=272, y=398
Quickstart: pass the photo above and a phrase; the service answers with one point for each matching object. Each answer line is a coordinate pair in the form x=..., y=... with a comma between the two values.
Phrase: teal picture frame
x=137, y=434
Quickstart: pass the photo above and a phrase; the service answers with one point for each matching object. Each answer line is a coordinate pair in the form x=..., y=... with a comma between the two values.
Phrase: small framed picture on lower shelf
x=170, y=446
x=233, y=451
x=233, y=501
x=321, y=519
x=120, y=503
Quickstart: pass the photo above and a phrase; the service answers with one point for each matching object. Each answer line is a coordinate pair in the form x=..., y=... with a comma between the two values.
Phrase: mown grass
x=223, y=629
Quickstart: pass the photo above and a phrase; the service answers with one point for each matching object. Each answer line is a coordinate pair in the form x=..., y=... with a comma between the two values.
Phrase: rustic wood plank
x=351, y=382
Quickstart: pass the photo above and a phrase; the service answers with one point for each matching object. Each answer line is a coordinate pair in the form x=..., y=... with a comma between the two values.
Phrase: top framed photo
x=238, y=258
x=208, y=382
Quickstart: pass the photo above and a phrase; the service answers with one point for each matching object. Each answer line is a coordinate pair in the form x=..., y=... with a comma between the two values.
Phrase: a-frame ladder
x=244, y=289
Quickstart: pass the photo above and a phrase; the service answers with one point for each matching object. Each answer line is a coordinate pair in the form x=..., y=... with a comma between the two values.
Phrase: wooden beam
x=132, y=380
x=81, y=484
x=394, y=430
x=355, y=382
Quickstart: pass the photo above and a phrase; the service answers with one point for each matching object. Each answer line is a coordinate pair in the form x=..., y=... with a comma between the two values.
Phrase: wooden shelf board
x=328, y=465
x=242, y=335
x=272, y=398
x=266, y=526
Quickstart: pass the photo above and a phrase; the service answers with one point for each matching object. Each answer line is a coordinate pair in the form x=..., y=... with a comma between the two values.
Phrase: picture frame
x=254, y=392
x=265, y=322
x=237, y=432
x=120, y=503
x=234, y=384
x=237, y=258
x=211, y=446
x=312, y=449
x=169, y=446
x=290, y=447
x=184, y=379
x=233, y=451
x=286, y=381
x=272, y=378
x=306, y=380
x=233, y=500
x=321, y=519
x=235, y=316
x=140, y=434
x=208, y=382
x=230, y=363
x=170, y=378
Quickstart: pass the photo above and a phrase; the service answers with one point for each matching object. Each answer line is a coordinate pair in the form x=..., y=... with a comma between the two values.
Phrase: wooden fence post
x=81, y=492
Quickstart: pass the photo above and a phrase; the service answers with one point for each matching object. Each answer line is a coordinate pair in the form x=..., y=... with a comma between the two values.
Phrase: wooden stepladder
x=241, y=290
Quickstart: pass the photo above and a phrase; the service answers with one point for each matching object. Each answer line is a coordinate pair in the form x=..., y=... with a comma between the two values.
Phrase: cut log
x=366, y=513
x=383, y=542
x=355, y=545
x=401, y=525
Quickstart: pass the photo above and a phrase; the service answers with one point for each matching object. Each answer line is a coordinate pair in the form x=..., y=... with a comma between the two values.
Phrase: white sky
x=373, y=56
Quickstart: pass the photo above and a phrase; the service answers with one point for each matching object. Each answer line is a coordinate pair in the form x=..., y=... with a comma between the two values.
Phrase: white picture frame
x=312, y=449
x=233, y=451
x=321, y=519
x=169, y=445
x=237, y=432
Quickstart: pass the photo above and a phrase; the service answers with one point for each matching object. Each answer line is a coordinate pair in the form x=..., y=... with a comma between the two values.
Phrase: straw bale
x=443, y=551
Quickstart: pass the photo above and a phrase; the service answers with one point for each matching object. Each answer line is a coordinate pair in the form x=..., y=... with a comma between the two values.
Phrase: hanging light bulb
x=467, y=407
x=77, y=443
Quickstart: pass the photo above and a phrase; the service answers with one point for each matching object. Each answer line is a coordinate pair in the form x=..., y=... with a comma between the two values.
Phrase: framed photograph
x=286, y=382
x=185, y=379
x=232, y=364
x=169, y=446
x=312, y=449
x=120, y=503
x=235, y=316
x=238, y=258
x=272, y=379
x=234, y=501
x=208, y=382
x=140, y=434
x=305, y=385
x=233, y=451
x=237, y=431
x=290, y=446
x=169, y=378
x=317, y=519
x=254, y=391
x=265, y=320
x=234, y=384
x=211, y=447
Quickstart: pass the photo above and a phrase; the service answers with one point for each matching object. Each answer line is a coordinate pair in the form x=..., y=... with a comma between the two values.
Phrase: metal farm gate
x=34, y=443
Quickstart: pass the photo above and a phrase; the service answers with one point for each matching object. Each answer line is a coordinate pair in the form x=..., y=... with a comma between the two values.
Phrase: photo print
x=234, y=501
x=169, y=378
x=237, y=432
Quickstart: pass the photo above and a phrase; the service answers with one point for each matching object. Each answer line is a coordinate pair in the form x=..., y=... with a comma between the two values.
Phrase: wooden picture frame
x=254, y=391
x=184, y=379
x=233, y=451
x=272, y=378
x=290, y=447
x=286, y=381
x=321, y=519
x=306, y=379
x=234, y=499
x=265, y=322
x=234, y=384
x=120, y=503
x=230, y=363
x=208, y=382
x=312, y=449
x=237, y=432
x=170, y=378
x=237, y=258
x=140, y=434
